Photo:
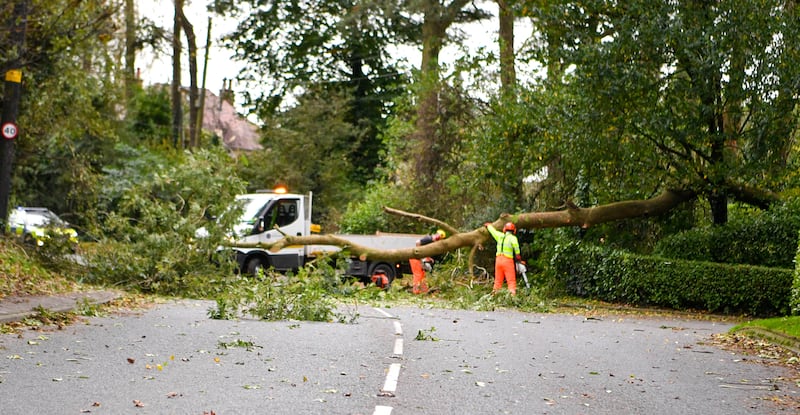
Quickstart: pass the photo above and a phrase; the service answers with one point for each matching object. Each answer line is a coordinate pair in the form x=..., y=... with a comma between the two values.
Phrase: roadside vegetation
x=22, y=272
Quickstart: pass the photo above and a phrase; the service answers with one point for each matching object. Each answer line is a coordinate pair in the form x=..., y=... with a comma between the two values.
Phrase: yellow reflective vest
x=507, y=244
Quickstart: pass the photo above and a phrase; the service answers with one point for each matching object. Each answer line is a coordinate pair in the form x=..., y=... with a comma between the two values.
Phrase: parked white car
x=36, y=224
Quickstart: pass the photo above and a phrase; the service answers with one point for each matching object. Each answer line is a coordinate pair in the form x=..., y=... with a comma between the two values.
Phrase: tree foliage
x=676, y=94
x=344, y=46
x=68, y=117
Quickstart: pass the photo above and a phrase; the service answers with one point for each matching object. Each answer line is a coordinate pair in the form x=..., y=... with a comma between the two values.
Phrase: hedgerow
x=754, y=237
x=618, y=276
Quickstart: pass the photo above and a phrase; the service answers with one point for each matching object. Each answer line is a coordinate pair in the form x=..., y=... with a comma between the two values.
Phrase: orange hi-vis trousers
x=418, y=284
x=504, y=268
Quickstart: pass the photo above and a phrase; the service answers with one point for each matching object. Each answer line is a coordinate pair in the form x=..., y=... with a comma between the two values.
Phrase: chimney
x=226, y=93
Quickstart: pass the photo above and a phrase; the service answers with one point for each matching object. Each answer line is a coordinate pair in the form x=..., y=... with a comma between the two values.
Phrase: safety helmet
x=509, y=227
x=442, y=234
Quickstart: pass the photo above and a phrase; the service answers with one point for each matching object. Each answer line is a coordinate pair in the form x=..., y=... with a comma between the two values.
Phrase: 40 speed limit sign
x=9, y=130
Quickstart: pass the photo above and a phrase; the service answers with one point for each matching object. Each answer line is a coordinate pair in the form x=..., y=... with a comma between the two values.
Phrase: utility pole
x=11, y=97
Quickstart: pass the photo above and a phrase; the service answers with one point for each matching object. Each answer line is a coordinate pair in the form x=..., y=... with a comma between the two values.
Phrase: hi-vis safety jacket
x=507, y=244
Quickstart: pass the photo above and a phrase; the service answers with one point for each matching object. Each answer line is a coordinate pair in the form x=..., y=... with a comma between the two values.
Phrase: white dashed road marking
x=392, y=376
x=385, y=314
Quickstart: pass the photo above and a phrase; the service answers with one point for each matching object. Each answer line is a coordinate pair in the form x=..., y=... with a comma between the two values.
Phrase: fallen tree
x=571, y=215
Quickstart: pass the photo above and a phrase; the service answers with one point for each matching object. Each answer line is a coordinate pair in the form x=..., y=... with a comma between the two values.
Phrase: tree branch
x=421, y=218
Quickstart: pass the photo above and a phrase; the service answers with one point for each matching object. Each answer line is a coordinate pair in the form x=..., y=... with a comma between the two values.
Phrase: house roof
x=236, y=132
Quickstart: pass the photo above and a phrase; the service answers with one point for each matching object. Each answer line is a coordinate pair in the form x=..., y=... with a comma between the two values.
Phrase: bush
x=618, y=276
x=307, y=295
x=755, y=238
x=147, y=220
x=367, y=216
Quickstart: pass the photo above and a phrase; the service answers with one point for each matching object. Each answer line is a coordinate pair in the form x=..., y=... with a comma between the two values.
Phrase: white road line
x=391, y=378
x=390, y=384
x=385, y=314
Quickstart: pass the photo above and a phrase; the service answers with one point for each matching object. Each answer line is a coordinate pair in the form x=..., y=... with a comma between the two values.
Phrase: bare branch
x=421, y=218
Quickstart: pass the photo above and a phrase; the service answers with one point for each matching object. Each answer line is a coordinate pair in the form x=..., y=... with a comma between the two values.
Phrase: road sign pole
x=11, y=98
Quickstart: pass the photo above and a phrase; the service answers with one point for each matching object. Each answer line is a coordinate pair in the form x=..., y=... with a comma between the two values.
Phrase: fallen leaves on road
x=766, y=353
x=770, y=353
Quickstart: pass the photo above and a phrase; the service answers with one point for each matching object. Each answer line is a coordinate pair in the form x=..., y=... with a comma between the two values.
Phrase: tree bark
x=508, y=74
x=437, y=18
x=130, y=51
x=194, y=108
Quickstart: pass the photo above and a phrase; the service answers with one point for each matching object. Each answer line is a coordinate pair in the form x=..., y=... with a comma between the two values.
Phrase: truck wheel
x=254, y=264
x=382, y=274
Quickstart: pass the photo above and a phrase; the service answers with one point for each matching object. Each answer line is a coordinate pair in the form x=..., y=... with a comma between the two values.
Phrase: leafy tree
x=340, y=45
x=68, y=110
x=149, y=115
x=694, y=95
x=432, y=142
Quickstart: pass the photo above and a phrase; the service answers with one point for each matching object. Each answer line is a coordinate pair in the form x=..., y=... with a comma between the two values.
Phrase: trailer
x=267, y=216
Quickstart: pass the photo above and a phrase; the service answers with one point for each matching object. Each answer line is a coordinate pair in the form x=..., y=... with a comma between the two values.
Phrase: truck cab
x=265, y=218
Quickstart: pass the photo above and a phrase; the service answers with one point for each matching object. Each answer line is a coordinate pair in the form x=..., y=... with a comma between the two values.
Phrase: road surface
x=172, y=359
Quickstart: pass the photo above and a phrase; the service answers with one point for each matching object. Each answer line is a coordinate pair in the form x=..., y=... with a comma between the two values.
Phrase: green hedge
x=618, y=276
x=764, y=239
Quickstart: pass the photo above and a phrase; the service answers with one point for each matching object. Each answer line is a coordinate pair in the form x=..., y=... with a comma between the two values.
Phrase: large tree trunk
x=194, y=108
x=572, y=216
x=508, y=74
x=437, y=18
x=130, y=51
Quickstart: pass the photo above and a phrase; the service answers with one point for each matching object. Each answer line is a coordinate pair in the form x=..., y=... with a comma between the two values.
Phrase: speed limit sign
x=10, y=131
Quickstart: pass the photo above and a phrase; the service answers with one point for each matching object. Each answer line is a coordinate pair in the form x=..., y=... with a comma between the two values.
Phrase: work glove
x=427, y=264
x=518, y=258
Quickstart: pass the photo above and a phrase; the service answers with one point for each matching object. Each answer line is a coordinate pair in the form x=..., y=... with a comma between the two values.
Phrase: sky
x=158, y=69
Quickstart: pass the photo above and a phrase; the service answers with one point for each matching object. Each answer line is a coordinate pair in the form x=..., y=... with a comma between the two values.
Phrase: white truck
x=267, y=216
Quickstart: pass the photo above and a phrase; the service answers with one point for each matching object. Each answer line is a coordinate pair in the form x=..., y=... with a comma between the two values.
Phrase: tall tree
x=69, y=102
x=177, y=98
x=508, y=73
x=130, y=49
x=194, y=108
x=437, y=17
x=693, y=94
x=340, y=45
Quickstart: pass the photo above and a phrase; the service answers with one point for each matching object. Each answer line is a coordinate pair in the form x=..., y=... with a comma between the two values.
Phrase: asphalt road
x=399, y=360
